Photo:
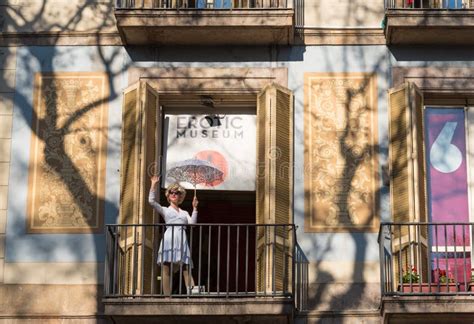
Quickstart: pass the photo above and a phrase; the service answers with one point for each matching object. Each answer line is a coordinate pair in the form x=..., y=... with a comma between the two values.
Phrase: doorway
x=223, y=253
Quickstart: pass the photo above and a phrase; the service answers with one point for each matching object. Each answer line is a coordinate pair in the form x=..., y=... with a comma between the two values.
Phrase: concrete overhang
x=428, y=309
x=206, y=27
x=429, y=27
x=129, y=310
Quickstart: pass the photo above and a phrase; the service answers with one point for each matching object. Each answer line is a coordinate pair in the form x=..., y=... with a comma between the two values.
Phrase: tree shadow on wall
x=63, y=133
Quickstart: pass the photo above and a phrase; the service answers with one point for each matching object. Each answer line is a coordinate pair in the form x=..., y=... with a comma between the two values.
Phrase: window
x=141, y=142
x=430, y=147
x=446, y=137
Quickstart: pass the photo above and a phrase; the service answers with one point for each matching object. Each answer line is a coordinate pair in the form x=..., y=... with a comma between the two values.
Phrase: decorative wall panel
x=341, y=145
x=68, y=153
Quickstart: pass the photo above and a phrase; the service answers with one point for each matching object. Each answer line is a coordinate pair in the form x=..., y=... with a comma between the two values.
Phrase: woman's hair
x=176, y=187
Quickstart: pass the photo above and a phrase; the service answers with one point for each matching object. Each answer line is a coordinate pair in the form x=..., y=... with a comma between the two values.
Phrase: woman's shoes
x=195, y=290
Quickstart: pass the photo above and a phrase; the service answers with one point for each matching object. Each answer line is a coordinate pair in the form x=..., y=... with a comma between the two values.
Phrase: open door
x=274, y=189
x=140, y=147
x=407, y=181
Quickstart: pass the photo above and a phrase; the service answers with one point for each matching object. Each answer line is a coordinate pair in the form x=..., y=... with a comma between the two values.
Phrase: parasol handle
x=195, y=183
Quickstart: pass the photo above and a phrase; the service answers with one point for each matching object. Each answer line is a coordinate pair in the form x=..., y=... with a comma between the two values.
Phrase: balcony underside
x=133, y=310
x=428, y=309
x=429, y=27
x=205, y=27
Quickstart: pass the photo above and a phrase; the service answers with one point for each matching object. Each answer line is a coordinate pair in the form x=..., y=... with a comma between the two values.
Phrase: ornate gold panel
x=341, y=146
x=68, y=153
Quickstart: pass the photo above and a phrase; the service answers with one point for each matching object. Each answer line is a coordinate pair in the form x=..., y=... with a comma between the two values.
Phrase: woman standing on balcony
x=174, y=249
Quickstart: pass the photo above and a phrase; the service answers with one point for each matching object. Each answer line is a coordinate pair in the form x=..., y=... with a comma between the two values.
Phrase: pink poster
x=447, y=189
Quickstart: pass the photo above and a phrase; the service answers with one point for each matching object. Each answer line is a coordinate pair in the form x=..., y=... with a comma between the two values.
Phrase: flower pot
x=417, y=288
x=450, y=287
x=470, y=287
x=430, y=289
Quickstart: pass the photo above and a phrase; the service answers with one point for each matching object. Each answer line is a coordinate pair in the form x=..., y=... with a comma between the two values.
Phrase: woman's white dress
x=174, y=245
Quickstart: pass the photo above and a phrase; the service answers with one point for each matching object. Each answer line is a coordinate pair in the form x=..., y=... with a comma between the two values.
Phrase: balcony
x=429, y=22
x=426, y=271
x=237, y=270
x=205, y=22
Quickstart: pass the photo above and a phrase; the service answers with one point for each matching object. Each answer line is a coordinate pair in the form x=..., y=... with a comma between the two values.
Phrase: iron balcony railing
x=426, y=258
x=429, y=4
x=202, y=4
x=301, y=280
x=228, y=260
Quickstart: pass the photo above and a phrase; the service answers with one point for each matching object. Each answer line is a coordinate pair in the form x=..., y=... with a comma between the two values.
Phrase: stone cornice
x=339, y=36
x=303, y=36
x=59, y=38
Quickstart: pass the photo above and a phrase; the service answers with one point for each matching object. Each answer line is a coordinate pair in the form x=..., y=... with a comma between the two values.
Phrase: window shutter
x=274, y=187
x=129, y=157
x=128, y=185
x=262, y=167
x=150, y=146
x=140, y=148
x=407, y=178
x=421, y=213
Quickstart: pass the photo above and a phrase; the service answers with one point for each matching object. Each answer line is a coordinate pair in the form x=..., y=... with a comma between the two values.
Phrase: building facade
x=341, y=132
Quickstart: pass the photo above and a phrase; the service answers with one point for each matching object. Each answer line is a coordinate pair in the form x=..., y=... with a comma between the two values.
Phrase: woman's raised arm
x=152, y=196
x=194, y=215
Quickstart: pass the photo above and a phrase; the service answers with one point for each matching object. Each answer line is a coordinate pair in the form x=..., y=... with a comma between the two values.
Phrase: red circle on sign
x=218, y=160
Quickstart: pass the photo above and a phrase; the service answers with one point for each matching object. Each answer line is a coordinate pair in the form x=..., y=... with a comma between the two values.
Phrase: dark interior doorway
x=227, y=258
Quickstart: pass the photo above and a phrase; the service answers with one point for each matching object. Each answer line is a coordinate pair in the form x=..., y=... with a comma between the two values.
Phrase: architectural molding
x=303, y=36
x=429, y=26
x=228, y=86
x=205, y=27
x=424, y=309
x=227, y=80
x=268, y=306
x=437, y=81
x=349, y=313
x=60, y=38
x=341, y=150
x=339, y=36
x=69, y=138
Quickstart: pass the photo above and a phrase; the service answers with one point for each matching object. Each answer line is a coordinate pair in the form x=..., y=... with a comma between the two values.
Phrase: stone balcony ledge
x=432, y=309
x=429, y=26
x=134, y=310
x=205, y=26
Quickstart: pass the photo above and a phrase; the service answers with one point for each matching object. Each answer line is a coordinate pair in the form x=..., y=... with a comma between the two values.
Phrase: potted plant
x=445, y=281
x=411, y=280
x=471, y=284
x=411, y=275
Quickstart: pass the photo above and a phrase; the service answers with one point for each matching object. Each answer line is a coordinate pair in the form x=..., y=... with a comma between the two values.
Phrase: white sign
x=226, y=142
